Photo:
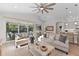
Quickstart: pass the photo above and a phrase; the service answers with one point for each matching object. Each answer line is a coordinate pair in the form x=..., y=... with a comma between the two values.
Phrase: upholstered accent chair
x=61, y=42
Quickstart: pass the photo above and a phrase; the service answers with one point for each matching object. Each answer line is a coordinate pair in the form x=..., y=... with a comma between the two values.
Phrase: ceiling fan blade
x=50, y=8
x=37, y=4
x=51, y=4
x=43, y=4
x=46, y=10
x=35, y=10
x=42, y=11
x=33, y=7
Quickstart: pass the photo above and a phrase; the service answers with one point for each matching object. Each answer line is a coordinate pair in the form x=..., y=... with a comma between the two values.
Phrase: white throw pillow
x=57, y=36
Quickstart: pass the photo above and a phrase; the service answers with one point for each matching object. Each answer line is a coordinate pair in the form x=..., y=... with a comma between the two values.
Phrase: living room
x=39, y=29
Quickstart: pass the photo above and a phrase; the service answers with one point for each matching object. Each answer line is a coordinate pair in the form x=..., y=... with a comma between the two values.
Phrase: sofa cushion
x=62, y=38
x=61, y=44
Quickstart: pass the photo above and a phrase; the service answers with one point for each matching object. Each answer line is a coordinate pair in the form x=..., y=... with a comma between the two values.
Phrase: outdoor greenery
x=30, y=28
x=11, y=27
x=23, y=28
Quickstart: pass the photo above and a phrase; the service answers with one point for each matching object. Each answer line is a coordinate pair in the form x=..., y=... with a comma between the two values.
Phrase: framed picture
x=50, y=28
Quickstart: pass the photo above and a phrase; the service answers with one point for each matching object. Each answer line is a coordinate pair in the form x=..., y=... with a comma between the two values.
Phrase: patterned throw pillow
x=62, y=38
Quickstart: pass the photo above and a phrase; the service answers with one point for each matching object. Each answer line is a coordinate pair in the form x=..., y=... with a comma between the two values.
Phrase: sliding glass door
x=12, y=29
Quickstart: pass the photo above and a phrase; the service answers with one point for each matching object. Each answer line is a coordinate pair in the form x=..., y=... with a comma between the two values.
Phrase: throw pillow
x=62, y=38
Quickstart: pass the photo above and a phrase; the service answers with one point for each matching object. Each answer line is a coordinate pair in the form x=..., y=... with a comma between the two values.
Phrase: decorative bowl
x=43, y=48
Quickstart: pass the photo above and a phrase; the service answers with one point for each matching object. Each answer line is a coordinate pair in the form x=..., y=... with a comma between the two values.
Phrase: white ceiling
x=25, y=8
x=16, y=7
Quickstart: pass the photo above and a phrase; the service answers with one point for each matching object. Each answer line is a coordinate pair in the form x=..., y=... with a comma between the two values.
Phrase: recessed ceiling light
x=41, y=8
x=75, y=23
x=15, y=6
x=66, y=24
x=70, y=12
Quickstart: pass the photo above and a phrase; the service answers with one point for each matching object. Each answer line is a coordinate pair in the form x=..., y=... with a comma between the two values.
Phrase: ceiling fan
x=43, y=7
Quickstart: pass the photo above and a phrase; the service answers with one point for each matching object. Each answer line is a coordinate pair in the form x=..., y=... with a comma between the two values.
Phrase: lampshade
x=40, y=38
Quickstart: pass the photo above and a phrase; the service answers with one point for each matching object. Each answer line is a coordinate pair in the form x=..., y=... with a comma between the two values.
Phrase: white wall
x=49, y=20
x=2, y=30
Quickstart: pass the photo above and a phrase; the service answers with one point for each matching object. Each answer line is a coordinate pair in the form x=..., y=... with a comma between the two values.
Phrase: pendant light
x=76, y=14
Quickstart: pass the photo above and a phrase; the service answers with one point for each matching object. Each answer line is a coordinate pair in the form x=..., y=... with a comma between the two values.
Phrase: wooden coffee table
x=35, y=49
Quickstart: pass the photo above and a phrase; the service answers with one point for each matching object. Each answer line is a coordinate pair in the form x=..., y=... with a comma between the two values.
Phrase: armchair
x=61, y=44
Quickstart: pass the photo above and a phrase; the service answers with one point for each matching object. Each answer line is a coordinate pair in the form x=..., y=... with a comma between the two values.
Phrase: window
x=22, y=28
